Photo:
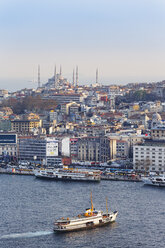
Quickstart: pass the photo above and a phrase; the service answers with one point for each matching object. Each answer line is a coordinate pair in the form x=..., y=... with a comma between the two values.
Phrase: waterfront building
x=122, y=149
x=8, y=146
x=74, y=148
x=125, y=141
x=98, y=149
x=149, y=156
x=39, y=150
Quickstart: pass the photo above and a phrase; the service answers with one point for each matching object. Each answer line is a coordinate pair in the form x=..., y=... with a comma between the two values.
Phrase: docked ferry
x=88, y=220
x=69, y=174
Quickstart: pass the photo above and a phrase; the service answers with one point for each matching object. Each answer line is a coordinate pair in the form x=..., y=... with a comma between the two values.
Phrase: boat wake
x=26, y=235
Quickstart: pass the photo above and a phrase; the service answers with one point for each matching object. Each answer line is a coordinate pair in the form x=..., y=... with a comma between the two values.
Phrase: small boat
x=154, y=180
x=88, y=220
x=69, y=175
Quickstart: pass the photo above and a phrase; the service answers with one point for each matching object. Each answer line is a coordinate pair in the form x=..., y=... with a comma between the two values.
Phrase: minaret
x=76, y=75
x=97, y=76
x=39, y=76
x=55, y=76
x=60, y=70
x=73, y=82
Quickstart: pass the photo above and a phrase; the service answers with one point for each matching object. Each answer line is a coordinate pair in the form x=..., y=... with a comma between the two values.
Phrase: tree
x=29, y=103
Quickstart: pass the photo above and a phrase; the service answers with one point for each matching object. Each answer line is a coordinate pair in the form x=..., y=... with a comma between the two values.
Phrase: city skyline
x=124, y=40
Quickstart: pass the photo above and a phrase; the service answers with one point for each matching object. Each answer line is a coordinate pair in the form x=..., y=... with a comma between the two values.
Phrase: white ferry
x=154, y=180
x=69, y=174
x=90, y=219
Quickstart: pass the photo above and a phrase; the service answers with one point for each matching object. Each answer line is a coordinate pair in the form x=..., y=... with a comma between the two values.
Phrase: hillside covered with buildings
x=64, y=122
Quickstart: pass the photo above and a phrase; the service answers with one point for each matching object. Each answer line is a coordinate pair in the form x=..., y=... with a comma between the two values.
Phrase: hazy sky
x=125, y=39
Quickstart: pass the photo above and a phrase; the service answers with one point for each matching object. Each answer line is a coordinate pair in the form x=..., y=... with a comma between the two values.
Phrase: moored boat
x=69, y=175
x=90, y=219
x=155, y=180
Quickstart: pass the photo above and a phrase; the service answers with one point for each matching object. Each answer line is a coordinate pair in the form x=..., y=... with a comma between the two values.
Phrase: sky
x=124, y=39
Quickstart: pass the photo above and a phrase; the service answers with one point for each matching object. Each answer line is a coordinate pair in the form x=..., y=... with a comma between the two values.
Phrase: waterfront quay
x=104, y=173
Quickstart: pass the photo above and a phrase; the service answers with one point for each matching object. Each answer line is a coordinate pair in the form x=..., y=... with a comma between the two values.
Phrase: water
x=29, y=206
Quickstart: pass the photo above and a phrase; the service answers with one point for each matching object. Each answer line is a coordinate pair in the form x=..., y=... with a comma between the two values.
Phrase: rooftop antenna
x=76, y=75
x=39, y=76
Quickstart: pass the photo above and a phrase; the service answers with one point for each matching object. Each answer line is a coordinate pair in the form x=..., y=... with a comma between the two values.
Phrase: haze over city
x=124, y=39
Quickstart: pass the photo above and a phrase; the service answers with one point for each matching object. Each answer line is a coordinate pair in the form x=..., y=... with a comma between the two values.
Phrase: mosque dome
x=157, y=117
x=156, y=120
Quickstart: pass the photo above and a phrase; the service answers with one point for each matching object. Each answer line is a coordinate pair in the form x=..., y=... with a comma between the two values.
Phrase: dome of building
x=156, y=120
x=157, y=117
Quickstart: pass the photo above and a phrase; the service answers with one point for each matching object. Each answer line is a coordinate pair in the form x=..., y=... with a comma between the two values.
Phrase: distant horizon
x=19, y=84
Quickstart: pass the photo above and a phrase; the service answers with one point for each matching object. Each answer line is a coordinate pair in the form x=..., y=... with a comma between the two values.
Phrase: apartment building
x=149, y=156
x=25, y=126
x=96, y=149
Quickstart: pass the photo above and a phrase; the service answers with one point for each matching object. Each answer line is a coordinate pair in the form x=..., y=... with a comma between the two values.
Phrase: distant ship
x=69, y=174
x=90, y=219
x=154, y=180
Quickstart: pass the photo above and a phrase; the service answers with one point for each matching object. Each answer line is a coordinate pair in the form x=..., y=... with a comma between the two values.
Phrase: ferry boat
x=88, y=220
x=154, y=180
x=69, y=174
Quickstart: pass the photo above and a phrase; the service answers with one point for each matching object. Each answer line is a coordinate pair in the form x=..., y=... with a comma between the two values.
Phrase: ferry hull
x=86, y=226
x=82, y=228
x=69, y=179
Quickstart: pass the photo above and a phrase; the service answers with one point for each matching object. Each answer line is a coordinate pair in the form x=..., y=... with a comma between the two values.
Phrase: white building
x=150, y=156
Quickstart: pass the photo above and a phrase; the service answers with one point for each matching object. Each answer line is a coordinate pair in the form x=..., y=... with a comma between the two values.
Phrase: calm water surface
x=29, y=206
